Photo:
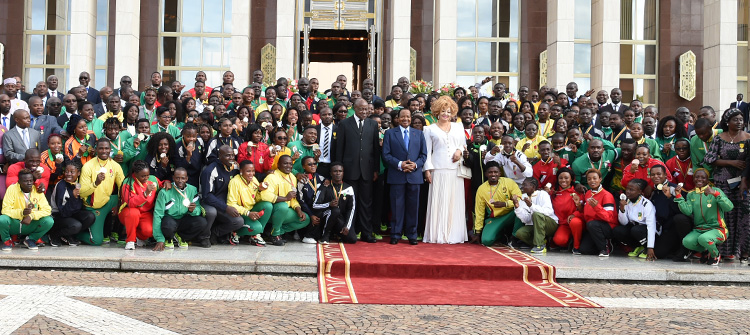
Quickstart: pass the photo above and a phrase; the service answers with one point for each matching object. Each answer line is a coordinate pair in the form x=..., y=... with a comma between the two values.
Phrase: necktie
x=5, y=121
x=326, y=138
x=360, y=125
x=33, y=121
x=406, y=138
x=26, y=138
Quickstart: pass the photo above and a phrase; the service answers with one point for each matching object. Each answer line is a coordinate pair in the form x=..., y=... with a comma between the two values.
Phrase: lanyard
x=336, y=194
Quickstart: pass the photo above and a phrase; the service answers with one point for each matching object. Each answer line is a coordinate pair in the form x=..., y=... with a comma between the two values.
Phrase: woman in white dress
x=445, y=221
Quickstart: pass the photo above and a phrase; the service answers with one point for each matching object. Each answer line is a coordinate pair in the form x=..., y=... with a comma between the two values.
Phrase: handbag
x=463, y=170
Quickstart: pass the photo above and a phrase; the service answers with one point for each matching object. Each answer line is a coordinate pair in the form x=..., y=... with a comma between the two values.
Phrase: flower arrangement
x=420, y=86
x=448, y=89
x=510, y=96
x=293, y=86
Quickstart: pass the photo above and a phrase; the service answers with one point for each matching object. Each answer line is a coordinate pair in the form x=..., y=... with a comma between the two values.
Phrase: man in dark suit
x=71, y=107
x=45, y=124
x=52, y=84
x=405, y=152
x=683, y=115
x=616, y=105
x=358, y=147
x=327, y=141
x=92, y=94
x=744, y=107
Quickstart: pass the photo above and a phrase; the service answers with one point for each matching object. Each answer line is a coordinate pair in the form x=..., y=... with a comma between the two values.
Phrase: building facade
x=668, y=53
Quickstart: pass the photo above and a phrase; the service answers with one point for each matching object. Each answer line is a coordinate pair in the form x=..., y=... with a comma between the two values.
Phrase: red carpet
x=432, y=274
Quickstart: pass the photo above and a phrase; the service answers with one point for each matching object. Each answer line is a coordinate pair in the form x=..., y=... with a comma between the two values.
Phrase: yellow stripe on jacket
x=505, y=189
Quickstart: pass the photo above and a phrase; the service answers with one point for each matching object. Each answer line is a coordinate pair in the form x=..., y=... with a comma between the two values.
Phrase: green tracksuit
x=707, y=212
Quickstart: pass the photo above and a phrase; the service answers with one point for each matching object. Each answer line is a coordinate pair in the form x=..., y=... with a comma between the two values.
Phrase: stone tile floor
x=299, y=258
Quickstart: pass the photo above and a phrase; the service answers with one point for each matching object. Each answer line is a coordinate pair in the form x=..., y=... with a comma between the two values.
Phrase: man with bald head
x=19, y=139
x=101, y=108
x=616, y=105
x=52, y=84
x=45, y=124
x=40, y=90
x=70, y=107
x=92, y=94
x=358, y=148
x=53, y=107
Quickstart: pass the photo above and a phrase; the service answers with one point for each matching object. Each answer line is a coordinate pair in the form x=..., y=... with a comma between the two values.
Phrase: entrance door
x=337, y=47
x=336, y=32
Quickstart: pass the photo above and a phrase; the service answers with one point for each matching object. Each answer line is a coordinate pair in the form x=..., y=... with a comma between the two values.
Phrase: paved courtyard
x=80, y=302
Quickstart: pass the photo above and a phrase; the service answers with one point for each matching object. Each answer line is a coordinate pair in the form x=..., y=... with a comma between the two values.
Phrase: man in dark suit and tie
x=616, y=105
x=327, y=141
x=19, y=139
x=358, y=147
x=405, y=152
x=45, y=124
x=71, y=107
x=92, y=94
x=52, y=84
x=741, y=105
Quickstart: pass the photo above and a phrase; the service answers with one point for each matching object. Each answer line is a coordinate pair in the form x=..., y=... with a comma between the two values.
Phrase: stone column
x=239, y=60
x=82, y=39
x=444, y=53
x=605, y=44
x=127, y=41
x=560, y=36
x=285, y=17
x=719, y=53
x=399, y=41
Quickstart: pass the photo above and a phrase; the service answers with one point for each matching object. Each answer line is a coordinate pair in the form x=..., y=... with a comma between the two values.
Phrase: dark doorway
x=339, y=46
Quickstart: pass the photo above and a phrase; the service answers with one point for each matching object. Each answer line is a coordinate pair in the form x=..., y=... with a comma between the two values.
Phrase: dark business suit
x=49, y=124
x=62, y=119
x=744, y=107
x=59, y=95
x=23, y=96
x=404, y=186
x=99, y=110
x=359, y=151
x=324, y=169
x=93, y=96
x=609, y=108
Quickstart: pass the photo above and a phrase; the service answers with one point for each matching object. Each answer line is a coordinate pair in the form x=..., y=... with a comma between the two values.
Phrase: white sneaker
x=309, y=240
x=130, y=246
x=258, y=240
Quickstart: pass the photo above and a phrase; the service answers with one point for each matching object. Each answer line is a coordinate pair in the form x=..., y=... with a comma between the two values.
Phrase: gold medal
x=119, y=152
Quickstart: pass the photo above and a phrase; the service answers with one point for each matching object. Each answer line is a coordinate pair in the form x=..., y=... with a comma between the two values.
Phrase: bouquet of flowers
x=510, y=96
x=293, y=86
x=420, y=86
x=448, y=89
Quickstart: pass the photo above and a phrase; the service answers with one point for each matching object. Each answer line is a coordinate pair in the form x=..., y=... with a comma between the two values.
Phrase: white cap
x=9, y=81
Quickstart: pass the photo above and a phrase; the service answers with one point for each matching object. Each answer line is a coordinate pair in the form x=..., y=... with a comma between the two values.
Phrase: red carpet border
x=431, y=274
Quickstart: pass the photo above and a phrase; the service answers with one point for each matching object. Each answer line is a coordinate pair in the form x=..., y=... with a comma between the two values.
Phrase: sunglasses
x=82, y=78
x=282, y=138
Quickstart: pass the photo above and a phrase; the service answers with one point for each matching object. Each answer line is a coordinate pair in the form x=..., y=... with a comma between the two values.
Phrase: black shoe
x=413, y=241
x=683, y=255
x=55, y=241
x=277, y=241
x=205, y=243
x=704, y=257
x=394, y=240
x=368, y=239
x=70, y=240
x=214, y=240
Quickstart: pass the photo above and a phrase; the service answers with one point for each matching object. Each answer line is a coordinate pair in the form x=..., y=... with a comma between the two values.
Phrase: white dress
x=445, y=221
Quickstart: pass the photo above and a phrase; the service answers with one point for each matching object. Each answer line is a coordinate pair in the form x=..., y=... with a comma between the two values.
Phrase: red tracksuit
x=565, y=206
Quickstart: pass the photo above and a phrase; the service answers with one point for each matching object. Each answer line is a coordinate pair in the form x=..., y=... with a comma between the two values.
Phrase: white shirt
x=326, y=131
x=52, y=93
x=512, y=170
x=641, y=212
x=540, y=202
x=17, y=104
